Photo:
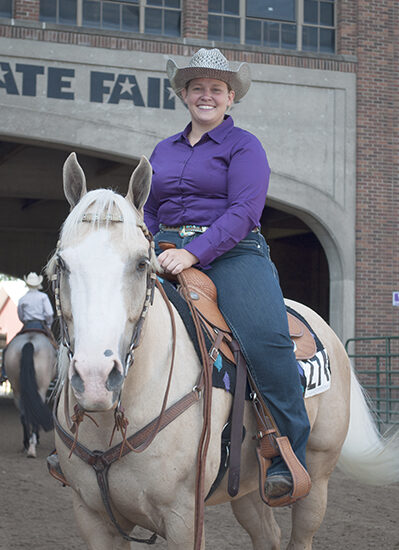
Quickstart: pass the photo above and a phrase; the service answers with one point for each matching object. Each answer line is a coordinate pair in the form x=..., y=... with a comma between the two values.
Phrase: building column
x=27, y=9
x=195, y=19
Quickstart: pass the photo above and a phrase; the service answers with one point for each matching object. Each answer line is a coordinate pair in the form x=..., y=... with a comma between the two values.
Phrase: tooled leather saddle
x=203, y=296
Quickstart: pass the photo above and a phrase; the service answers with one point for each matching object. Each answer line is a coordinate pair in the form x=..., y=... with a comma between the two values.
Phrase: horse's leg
x=179, y=530
x=32, y=445
x=308, y=514
x=35, y=431
x=96, y=533
x=258, y=520
x=26, y=430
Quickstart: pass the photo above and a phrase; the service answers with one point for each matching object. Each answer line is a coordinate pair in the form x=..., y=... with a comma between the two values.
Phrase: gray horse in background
x=30, y=364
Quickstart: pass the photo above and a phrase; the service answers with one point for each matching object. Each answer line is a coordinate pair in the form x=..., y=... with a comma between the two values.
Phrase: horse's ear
x=140, y=184
x=74, y=180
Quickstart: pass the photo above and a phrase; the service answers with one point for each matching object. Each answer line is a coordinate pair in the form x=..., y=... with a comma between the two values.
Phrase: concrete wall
x=118, y=104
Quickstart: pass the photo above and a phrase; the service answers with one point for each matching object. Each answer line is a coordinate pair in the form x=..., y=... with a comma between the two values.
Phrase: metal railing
x=376, y=362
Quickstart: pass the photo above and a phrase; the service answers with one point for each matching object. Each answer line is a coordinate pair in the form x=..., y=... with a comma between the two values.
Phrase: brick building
x=88, y=75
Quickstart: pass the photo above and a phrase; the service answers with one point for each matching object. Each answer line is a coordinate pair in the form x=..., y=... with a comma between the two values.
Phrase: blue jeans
x=250, y=298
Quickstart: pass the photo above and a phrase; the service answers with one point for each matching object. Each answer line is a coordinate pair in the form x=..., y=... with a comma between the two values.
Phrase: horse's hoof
x=31, y=452
x=278, y=486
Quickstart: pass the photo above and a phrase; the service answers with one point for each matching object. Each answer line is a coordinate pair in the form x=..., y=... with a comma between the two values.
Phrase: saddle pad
x=315, y=374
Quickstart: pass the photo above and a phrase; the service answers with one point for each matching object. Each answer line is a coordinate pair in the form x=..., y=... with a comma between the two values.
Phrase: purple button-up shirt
x=220, y=182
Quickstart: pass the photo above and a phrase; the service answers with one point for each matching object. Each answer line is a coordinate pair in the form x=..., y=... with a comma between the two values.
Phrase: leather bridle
x=101, y=461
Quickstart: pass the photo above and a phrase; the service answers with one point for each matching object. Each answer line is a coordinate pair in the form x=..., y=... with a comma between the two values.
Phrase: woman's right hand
x=176, y=260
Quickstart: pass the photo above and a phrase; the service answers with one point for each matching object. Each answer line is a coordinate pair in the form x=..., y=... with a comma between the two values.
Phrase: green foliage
x=5, y=277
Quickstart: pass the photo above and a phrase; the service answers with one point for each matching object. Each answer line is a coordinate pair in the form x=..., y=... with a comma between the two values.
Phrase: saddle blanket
x=315, y=373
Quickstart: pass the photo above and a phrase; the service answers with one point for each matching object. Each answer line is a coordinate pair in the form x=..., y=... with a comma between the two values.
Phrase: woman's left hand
x=175, y=260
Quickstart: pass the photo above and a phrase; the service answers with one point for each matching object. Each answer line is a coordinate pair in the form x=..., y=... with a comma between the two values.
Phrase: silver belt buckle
x=184, y=232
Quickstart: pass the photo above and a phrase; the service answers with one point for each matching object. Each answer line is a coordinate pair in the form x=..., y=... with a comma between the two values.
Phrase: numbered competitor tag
x=317, y=373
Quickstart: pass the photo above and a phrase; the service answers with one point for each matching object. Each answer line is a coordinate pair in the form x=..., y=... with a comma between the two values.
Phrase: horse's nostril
x=115, y=379
x=76, y=381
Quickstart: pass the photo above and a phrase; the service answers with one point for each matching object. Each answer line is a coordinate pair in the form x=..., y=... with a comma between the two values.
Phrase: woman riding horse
x=208, y=192
x=102, y=272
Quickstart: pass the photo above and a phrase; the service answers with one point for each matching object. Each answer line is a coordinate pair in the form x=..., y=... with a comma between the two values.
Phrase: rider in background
x=34, y=311
x=208, y=192
x=34, y=308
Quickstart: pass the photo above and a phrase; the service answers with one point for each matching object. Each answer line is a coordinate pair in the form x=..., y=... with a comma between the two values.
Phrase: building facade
x=88, y=75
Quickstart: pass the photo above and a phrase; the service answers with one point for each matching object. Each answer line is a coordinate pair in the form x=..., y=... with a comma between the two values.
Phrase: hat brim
x=38, y=284
x=239, y=80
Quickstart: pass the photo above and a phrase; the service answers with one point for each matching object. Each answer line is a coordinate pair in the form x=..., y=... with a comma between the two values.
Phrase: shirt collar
x=217, y=134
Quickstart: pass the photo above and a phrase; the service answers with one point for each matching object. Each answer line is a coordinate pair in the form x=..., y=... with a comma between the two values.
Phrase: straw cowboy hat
x=33, y=280
x=210, y=64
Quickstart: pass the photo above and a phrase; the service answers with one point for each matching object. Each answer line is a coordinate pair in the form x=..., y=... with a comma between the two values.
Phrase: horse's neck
x=145, y=385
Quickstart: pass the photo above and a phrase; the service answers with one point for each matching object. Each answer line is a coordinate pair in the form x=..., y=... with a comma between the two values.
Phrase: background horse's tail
x=367, y=455
x=35, y=411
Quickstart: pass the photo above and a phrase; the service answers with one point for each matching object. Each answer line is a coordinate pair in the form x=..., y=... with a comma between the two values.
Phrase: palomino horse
x=101, y=267
x=31, y=364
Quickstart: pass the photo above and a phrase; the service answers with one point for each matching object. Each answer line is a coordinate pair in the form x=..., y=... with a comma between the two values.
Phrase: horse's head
x=103, y=271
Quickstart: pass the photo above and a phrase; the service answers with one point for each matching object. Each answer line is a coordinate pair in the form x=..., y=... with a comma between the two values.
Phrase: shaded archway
x=300, y=260
x=32, y=202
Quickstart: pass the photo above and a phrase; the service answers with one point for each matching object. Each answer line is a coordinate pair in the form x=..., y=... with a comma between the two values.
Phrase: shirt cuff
x=200, y=248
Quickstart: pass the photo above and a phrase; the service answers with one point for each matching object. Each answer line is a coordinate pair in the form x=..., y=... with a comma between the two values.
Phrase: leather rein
x=101, y=461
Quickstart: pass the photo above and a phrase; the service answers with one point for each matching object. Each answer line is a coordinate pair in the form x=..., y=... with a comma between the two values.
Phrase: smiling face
x=207, y=100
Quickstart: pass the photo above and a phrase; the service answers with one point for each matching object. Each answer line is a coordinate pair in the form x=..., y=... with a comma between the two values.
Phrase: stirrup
x=301, y=482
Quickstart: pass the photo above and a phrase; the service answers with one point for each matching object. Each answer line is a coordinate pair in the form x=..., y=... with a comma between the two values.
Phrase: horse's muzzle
x=96, y=383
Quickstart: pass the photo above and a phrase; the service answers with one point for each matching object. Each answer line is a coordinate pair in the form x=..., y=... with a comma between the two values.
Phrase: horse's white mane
x=103, y=205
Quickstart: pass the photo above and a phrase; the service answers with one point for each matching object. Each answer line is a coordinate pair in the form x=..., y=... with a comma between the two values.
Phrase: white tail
x=366, y=455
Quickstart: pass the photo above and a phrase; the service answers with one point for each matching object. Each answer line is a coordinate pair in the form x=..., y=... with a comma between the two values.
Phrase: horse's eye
x=142, y=264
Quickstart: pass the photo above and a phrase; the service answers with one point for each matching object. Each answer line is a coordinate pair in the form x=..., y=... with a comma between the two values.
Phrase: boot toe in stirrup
x=278, y=485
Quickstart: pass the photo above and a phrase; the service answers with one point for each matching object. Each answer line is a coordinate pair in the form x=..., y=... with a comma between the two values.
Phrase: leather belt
x=190, y=229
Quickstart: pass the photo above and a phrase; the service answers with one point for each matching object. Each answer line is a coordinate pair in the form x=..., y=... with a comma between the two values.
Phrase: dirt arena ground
x=35, y=510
